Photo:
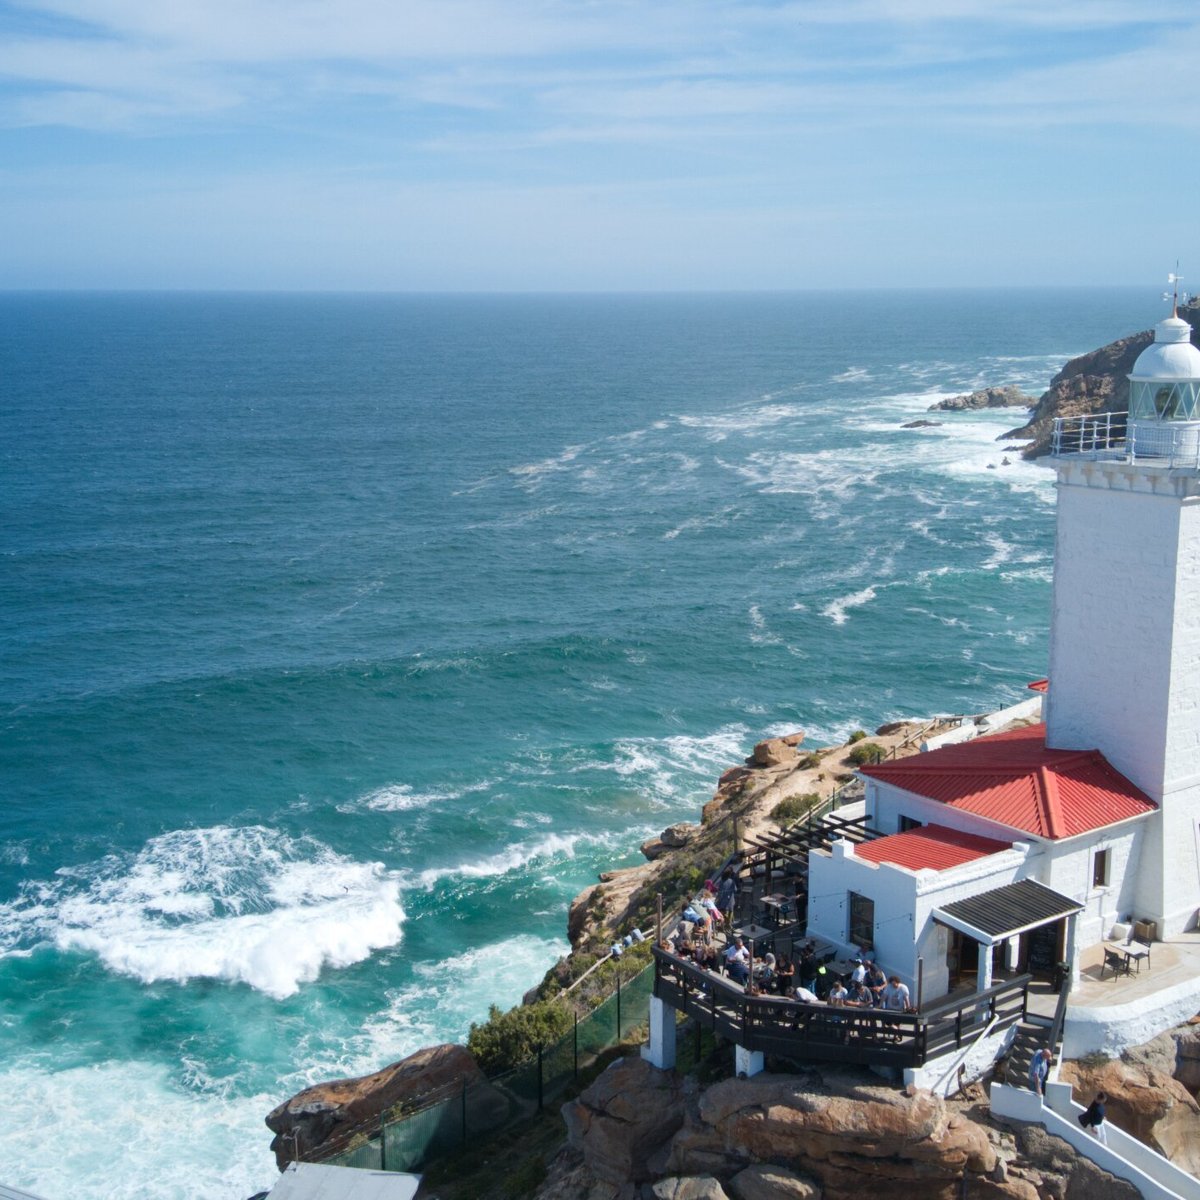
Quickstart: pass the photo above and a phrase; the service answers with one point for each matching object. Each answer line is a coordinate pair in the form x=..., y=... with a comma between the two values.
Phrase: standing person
x=1039, y=1071
x=1094, y=1118
x=895, y=996
x=727, y=892
x=876, y=982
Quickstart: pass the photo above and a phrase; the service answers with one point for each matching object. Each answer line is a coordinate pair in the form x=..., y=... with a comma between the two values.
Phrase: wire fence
x=447, y=1121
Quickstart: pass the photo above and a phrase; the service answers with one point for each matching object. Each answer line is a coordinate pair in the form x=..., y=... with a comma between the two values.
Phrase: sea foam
x=244, y=905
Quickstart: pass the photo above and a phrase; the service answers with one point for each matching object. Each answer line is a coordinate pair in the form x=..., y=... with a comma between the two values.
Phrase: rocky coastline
x=641, y=1134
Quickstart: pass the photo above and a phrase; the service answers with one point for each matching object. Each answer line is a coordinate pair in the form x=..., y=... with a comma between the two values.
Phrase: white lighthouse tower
x=1125, y=628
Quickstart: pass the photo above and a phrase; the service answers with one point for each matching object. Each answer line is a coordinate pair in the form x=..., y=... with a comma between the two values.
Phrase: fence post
x=618, y=1005
x=575, y=1071
x=540, y=1085
x=464, y=1111
x=382, y=1143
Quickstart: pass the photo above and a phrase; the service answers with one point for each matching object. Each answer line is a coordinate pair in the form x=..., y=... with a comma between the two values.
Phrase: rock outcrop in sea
x=991, y=397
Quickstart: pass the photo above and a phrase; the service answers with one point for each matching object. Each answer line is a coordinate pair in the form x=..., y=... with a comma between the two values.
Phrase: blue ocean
x=344, y=638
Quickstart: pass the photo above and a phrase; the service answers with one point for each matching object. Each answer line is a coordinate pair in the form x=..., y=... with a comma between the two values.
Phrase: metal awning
x=1004, y=912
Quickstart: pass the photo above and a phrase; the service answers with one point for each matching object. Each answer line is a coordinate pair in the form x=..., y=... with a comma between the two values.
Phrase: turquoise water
x=343, y=639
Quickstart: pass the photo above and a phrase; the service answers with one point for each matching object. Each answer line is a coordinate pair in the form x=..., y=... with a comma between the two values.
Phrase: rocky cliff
x=642, y=1134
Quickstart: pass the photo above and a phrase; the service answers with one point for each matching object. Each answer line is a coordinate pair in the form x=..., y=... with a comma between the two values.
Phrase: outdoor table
x=753, y=934
x=1134, y=953
x=775, y=904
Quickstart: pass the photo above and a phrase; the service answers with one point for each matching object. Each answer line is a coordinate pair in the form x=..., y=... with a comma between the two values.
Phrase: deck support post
x=659, y=1051
x=983, y=979
x=747, y=1062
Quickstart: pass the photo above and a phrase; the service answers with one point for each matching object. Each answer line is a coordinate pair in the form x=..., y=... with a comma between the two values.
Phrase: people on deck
x=876, y=981
x=737, y=961
x=727, y=891
x=896, y=996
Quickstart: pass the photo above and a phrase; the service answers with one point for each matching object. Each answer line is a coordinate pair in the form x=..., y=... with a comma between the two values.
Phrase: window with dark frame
x=1100, y=869
x=862, y=921
x=907, y=823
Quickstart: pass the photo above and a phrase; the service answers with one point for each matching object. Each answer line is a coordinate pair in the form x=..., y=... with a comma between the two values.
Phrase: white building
x=1020, y=848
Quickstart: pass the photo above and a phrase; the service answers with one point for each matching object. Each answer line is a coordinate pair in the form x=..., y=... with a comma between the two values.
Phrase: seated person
x=785, y=975
x=860, y=995
x=737, y=961
x=764, y=972
x=838, y=995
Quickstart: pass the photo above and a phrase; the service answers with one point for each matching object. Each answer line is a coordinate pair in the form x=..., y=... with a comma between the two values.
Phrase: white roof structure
x=1171, y=356
x=316, y=1181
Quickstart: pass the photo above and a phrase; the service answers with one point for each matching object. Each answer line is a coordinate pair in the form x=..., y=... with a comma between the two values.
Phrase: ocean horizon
x=345, y=637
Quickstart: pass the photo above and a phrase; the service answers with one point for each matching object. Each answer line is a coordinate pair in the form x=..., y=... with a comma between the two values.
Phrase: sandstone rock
x=618, y=1122
x=793, y=739
x=890, y=728
x=1187, y=1064
x=992, y=397
x=693, y=1187
x=579, y=915
x=762, y=1181
x=774, y=752
x=326, y=1111
x=654, y=849
x=847, y=1133
x=675, y=836
x=1145, y=1101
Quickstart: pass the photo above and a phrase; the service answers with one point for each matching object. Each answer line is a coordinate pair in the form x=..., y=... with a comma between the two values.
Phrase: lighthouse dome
x=1164, y=393
x=1171, y=355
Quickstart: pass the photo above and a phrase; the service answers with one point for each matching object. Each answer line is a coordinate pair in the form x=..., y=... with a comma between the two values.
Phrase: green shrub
x=791, y=808
x=811, y=761
x=866, y=752
x=507, y=1039
x=856, y=736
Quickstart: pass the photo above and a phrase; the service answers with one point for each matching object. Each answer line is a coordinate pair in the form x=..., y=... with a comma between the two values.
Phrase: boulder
x=654, y=849
x=919, y=424
x=693, y=1187
x=793, y=739
x=761, y=1181
x=847, y=1133
x=1187, y=1063
x=328, y=1111
x=679, y=835
x=774, y=752
x=623, y=1117
x=1144, y=1100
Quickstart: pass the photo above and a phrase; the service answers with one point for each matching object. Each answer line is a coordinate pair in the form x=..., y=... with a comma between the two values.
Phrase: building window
x=862, y=921
x=907, y=823
x=1100, y=869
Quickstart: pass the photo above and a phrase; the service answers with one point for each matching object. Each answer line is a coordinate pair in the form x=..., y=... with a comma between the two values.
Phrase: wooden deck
x=807, y=1032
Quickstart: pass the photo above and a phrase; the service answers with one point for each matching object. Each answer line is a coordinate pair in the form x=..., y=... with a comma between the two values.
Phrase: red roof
x=1039, y=685
x=1014, y=779
x=930, y=846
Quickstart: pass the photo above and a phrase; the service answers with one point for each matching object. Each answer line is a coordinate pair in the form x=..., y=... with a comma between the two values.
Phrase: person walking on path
x=1093, y=1118
x=1039, y=1071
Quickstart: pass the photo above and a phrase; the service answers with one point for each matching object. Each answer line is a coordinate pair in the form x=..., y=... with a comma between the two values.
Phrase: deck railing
x=793, y=1029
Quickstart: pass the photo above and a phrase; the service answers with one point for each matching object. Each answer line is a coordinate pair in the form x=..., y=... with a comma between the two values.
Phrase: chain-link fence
x=451, y=1120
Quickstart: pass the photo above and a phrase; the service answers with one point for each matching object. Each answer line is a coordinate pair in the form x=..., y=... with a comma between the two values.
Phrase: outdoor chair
x=1117, y=962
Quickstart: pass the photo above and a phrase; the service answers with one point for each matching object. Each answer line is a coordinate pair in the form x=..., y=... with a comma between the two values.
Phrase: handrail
x=953, y=1004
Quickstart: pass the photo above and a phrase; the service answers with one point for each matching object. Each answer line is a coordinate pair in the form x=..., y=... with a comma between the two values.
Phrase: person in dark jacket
x=1093, y=1118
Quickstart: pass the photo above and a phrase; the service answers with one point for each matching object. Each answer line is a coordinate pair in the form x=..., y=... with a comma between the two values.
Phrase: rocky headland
x=992, y=397
x=1092, y=383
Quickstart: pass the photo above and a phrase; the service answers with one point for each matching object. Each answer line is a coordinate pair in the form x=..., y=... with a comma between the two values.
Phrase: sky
x=596, y=145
